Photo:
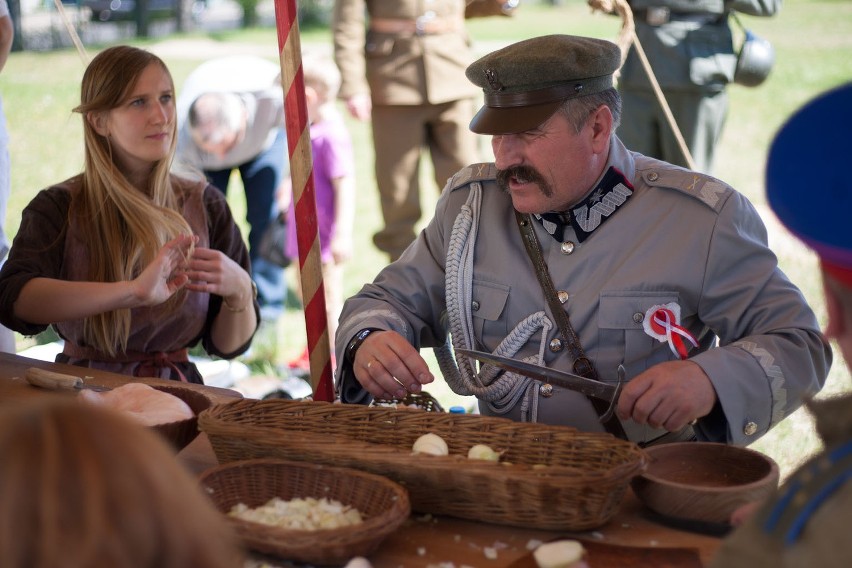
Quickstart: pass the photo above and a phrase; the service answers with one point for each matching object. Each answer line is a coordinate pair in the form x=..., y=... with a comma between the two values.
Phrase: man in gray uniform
x=690, y=47
x=662, y=270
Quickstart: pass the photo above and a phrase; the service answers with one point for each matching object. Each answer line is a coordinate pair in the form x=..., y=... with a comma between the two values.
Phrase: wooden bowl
x=703, y=481
x=180, y=434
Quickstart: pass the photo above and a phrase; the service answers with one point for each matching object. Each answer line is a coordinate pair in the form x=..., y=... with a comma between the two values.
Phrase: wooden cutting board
x=603, y=555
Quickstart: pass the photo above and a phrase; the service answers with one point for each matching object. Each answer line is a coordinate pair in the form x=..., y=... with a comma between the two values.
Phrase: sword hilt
x=612, y=403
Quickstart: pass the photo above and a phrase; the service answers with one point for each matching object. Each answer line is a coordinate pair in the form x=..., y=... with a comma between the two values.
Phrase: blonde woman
x=84, y=486
x=130, y=263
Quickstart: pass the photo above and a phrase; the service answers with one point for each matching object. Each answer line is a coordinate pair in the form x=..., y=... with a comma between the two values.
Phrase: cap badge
x=493, y=81
x=663, y=323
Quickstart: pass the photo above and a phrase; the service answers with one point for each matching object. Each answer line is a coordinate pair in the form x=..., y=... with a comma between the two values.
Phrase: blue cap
x=809, y=178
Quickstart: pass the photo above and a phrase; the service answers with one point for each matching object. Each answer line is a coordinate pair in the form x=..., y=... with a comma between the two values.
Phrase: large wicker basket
x=383, y=504
x=549, y=477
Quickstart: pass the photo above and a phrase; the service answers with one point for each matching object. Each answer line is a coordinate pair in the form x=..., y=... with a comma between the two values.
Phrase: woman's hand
x=166, y=274
x=211, y=271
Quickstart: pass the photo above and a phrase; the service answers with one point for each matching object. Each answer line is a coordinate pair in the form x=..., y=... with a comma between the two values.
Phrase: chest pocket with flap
x=487, y=307
x=622, y=336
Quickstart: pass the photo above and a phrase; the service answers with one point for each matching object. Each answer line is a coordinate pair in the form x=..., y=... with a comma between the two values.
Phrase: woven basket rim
x=347, y=446
x=313, y=545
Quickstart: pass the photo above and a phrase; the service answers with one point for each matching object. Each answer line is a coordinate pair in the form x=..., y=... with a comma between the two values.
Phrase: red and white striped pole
x=301, y=173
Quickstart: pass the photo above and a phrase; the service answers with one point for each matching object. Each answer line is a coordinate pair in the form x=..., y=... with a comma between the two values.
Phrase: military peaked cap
x=527, y=81
x=808, y=183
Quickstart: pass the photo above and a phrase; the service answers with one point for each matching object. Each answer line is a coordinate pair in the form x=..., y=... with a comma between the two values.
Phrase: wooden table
x=423, y=539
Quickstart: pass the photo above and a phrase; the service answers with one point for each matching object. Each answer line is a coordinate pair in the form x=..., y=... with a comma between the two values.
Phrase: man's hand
x=389, y=367
x=669, y=395
x=360, y=106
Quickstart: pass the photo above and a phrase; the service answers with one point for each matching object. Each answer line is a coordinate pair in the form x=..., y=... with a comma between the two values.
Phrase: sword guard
x=612, y=403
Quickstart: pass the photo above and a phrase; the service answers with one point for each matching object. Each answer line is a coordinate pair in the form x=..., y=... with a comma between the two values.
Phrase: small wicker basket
x=549, y=477
x=384, y=505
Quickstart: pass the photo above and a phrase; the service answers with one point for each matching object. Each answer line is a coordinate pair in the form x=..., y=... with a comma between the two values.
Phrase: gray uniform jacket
x=676, y=237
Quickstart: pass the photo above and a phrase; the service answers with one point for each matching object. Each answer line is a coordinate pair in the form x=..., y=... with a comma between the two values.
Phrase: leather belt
x=428, y=24
x=659, y=15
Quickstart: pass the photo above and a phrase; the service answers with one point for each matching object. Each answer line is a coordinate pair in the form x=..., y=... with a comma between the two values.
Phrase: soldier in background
x=402, y=63
x=689, y=44
x=807, y=522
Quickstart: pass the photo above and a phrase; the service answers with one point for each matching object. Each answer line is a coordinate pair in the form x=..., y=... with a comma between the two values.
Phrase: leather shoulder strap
x=582, y=365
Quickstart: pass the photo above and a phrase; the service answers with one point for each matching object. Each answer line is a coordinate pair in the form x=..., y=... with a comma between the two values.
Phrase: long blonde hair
x=84, y=486
x=123, y=227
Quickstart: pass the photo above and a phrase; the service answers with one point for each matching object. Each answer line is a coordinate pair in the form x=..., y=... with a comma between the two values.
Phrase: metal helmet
x=754, y=61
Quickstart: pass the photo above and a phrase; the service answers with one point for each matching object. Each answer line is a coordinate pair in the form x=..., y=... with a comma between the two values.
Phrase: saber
x=563, y=379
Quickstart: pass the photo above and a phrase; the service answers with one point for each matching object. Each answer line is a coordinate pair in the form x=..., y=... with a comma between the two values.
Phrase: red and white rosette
x=663, y=323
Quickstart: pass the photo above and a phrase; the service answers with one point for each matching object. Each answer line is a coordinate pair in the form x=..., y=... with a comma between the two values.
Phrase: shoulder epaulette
x=473, y=172
x=711, y=191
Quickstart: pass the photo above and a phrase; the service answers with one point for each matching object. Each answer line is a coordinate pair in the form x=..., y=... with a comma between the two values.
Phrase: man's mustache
x=524, y=174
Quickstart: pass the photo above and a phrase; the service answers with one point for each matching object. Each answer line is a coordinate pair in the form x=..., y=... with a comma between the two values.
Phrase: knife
x=559, y=378
x=58, y=381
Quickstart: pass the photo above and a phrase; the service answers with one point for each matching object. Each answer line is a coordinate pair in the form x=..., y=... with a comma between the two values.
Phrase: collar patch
x=611, y=193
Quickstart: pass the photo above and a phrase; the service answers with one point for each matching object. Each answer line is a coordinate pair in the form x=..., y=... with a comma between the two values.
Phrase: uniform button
x=563, y=296
x=638, y=317
x=750, y=429
x=474, y=305
x=567, y=247
x=546, y=390
x=653, y=176
x=556, y=345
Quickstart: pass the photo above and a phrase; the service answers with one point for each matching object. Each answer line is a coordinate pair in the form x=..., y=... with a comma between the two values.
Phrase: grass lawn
x=39, y=90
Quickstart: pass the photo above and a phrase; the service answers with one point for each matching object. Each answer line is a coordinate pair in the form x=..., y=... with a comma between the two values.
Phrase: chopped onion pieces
x=308, y=514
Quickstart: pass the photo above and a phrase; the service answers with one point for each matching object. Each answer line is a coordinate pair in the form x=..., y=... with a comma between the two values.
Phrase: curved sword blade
x=556, y=377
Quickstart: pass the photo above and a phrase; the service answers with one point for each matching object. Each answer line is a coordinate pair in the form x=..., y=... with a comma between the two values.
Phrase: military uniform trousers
x=699, y=116
x=400, y=133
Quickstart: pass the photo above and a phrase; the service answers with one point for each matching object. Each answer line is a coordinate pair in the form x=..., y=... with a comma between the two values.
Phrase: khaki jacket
x=405, y=68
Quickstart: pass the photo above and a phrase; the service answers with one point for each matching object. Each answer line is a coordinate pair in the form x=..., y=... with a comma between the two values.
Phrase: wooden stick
x=628, y=32
x=72, y=32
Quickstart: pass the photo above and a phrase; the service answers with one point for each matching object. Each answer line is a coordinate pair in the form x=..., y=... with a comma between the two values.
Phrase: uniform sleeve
x=225, y=236
x=37, y=251
x=349, y=32
x=408, y=296
x=771, y=352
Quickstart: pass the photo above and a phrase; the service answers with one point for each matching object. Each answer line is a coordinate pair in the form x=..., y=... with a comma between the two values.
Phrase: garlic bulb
x=559, y=554
x=430, y=444
x=483, y=452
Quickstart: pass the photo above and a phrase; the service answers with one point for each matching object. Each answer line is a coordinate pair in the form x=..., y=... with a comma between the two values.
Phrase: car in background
x=125, y=10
